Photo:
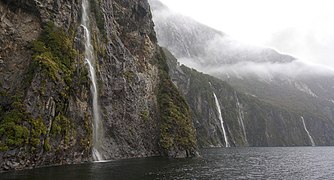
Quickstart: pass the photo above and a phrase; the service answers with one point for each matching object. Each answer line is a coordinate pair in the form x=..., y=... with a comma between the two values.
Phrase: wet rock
x=126, y=52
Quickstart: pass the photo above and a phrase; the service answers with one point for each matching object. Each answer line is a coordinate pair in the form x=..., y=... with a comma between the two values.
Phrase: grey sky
x=302, y=28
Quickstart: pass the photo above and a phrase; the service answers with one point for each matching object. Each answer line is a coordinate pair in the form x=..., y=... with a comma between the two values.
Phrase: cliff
x=274, y=77
x=275, y=94
x=46, y=101
x=248, y=121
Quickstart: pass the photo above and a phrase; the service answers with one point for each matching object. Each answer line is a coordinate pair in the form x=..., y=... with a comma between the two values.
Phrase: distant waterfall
x=308, y=133
x=241, y=118
x=90, y=61
x=227, y=144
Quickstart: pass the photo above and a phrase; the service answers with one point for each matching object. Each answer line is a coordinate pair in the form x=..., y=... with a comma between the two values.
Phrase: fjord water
x=215, y=163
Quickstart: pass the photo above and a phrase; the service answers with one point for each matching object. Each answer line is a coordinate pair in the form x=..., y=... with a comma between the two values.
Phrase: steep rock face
x=269, y=78
x=131, y=74
x=45, y=101
x=247, y=120
x=42, y=121
x=129, y=82
x=275, y=78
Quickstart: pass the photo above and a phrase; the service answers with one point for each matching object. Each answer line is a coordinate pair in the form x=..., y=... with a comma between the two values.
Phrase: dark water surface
x=217, y=163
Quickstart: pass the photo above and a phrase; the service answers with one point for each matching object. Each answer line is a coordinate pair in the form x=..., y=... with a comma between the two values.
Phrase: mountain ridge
x=278, y=80
x=187, y=38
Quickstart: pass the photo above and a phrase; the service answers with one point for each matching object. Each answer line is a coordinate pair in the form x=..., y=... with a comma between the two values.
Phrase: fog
x=265, y=71
x=247, y=61
x=224, y=55
x=301, y=28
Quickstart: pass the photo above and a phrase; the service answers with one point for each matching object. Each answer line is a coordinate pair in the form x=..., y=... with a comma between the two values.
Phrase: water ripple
x=216, y=163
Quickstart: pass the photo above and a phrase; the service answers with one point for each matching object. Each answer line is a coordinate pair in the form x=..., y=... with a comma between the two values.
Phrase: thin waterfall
x=90, y=61
x=227, y=144
x=241, y=118
x=308, y=133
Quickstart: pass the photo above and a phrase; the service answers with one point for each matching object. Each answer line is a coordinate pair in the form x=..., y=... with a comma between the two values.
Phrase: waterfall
x=90, y=61
x=308, y=133
x=241, y=118
x=227, y=144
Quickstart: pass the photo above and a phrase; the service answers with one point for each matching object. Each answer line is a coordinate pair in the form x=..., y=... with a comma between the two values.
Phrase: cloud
x=307, y=38
x=265, y=70
x=302, y=28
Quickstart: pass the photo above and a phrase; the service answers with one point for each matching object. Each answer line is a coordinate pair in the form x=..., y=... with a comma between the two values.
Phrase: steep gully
x=241, y=117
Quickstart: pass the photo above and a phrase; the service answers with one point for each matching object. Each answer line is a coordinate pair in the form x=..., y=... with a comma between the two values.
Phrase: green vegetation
x=54, y=57
x=47, y=146
x=18, y=129
x=11, y=126
x=53, y=52
x=176, y=129
x=38, y=128
x=62, y=126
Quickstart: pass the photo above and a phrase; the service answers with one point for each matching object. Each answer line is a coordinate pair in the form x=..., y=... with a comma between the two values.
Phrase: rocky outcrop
x=45, y=99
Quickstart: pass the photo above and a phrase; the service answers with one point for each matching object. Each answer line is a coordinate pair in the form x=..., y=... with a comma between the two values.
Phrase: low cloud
x=265, y=71
x=209, y=51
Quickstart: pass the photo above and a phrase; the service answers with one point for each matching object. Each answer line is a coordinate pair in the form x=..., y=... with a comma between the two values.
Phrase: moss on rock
x=18, y=128
x=62, y=126
x=176, y=130
x=53, y=52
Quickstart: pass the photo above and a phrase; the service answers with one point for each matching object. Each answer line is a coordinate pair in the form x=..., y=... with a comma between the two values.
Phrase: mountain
x=79, y=84
x=86, y=80
x=206, y=47
x=279, y=81
x=248, y=120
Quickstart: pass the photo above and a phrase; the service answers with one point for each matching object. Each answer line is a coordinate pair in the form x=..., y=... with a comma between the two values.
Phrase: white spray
x=90, y=61
x=308, y=133
x=227, y=144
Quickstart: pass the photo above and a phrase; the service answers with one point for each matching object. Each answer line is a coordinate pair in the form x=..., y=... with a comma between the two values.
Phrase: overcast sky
x=302, y=28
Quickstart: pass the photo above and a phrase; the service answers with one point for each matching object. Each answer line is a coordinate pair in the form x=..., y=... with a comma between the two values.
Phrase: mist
x=264, y=71
x=224, y=55
x=291, y=52
x=303, y=29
